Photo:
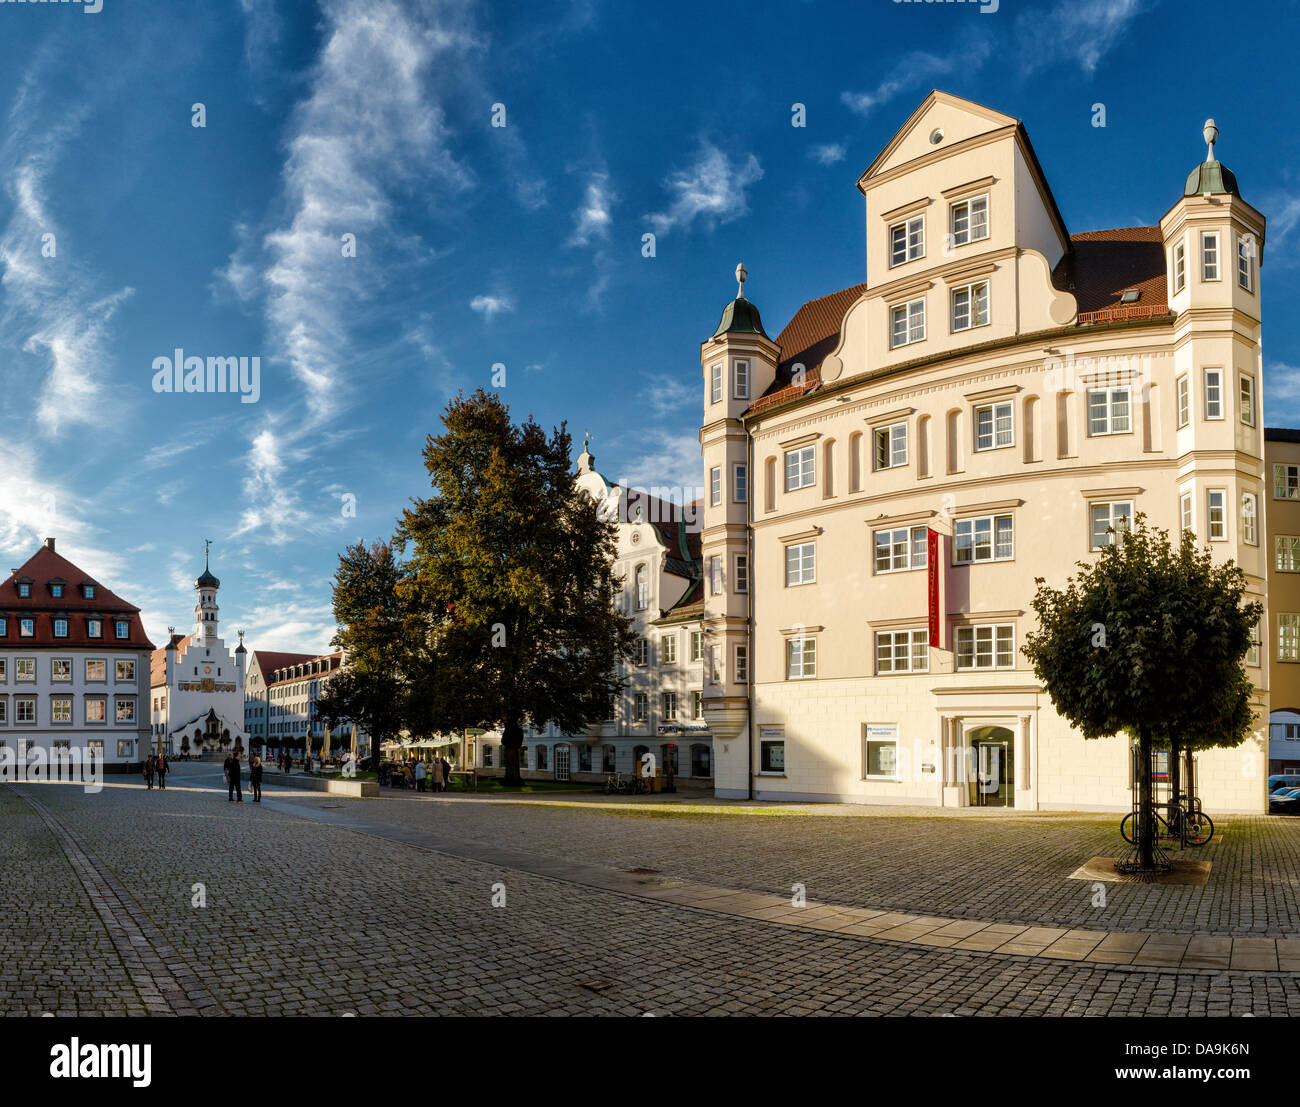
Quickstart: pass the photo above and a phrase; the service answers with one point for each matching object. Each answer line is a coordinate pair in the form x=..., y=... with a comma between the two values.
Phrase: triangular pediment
x=957, y=119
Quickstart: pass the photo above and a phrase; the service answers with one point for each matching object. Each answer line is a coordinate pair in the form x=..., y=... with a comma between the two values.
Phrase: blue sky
x=518, y=245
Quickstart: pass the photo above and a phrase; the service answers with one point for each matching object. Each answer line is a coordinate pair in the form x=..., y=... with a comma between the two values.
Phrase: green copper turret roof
x=1213, y=177
x=740, y=316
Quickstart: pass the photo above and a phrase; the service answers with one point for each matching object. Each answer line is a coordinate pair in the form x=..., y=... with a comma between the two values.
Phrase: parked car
x=1285, y=801
x=1283, y=780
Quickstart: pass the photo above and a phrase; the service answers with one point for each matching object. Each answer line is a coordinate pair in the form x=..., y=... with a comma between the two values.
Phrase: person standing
x=255, y=779
x=437, y=774
x=232, y=778
x=446, y=773
x=421, y=771
x=162, y=769
x=147, y=770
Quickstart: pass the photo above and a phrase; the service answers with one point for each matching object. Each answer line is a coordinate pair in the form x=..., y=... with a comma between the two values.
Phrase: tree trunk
x=512, y=737
x=1146, y=816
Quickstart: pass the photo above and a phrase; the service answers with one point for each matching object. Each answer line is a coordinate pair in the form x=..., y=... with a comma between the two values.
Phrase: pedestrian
x=421, y=771
x=148, y=771
x=407, y=775
x=232, y=778
x=255, y=779
x=437, y=775
x=162, y=769
x=446, y=774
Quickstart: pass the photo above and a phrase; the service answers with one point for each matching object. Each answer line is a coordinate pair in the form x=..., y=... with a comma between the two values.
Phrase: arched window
x=855, y=462
x=954, y=441
x=642, y=588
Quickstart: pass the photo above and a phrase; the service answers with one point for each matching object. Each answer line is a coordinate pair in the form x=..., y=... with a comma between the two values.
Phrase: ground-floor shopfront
x=950, y=742
x=686, y=751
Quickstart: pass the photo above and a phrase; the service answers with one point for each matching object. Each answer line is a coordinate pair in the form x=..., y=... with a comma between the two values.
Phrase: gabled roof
x=1101, y=265
x=269, y=660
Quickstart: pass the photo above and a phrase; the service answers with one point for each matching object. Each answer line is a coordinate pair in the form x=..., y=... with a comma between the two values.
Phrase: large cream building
x=910, y=453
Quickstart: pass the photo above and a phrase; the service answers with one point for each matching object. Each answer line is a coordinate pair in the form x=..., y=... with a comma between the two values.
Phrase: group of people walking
x=156, y=767
x=232, y=769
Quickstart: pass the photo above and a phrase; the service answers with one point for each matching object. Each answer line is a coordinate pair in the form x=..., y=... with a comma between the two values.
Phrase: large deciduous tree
x=512, y=568
x=1148, y=638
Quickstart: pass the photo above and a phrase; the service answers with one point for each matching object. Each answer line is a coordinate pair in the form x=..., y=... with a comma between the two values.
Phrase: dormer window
x=968, y=220
x=122, y=628
x=94, y=628
x=26, y=628
x=24, y=590
x=60, y=628
x=907, y=240
x=56, y=589
x=88, y=591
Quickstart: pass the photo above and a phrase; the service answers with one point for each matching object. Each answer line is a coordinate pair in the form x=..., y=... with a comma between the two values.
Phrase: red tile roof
x=269, y=660
x=40, y=569
x=158, y=661
x=1102, y=265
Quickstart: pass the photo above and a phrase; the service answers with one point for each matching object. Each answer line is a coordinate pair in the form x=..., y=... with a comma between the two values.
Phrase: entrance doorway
x=992, y=761
x=562, y=761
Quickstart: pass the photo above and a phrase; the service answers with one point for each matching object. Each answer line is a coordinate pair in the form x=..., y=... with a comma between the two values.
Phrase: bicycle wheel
x=1127, y=823
x=1200, y=828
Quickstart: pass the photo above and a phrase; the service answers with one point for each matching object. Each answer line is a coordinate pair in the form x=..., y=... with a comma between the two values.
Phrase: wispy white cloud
x=667, y=459
x=491, y=306
x=1281, y=393
x=828, y=153
x=591, y=220
x=712, y=189
x=667, y=394
x=914, y=70
x=1081, y=32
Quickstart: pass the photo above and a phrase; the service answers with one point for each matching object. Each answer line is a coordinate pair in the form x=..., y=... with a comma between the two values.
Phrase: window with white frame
x=742, y=665
x=670, y=706
x=1186, y=518
x=1216, y=503
x=970, y=306
x=641, y=578
x=1214, y=393
x=800, y=658
x=94, y=628
x=1104, y=518
x=24, y=711
x=715, y=379
x=1254, y=649
x=1245, y=251
x=739, y=483
x=1209, y=255
x=800, y=468
x=994, y=426
x=1286, y=553
x=742, y=572
x=715, y=486
x=642, y=654
x=907, y=240
x=1184, y=401
x=1108, y=412
x=1247, y=397
x=900, y=548
x=903, y=651
x=1288, y=637
x=122, y=628
x=986, y=647
x=668, y=649
x=715, y=664
x=983, y=538
x=715, y=575
x=697, y=705
x=60, y=628
x=800, y=563
x=1249, y=513
x=125, y=671
x=61, y=669
x=890, y=446
x=124, y=710
x=26, y=628
x=740, y=380
x=1286, y=482
x=880, y=752
x=1180, y=267
x=697, y=645
x=968, y=220
x=907, y=323
x=96, y=709
x=771, y=756
x=641, y=706
x=25, y=668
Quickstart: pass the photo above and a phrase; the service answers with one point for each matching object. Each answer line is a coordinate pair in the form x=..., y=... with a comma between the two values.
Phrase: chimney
x=49, y=544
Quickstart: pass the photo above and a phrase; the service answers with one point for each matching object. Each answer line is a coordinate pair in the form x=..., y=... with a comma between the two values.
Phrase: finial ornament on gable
x=741, y=275
x=1211, y=135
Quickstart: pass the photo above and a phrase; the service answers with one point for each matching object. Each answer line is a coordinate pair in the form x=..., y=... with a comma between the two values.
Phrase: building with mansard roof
x=991, y=404
x=280, y=699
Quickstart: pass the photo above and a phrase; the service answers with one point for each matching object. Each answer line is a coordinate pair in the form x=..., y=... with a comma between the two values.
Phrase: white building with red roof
x=197, y=682
x=74, y=665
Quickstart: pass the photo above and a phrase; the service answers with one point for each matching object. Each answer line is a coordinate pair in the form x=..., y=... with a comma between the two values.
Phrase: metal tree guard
x=1148, y=828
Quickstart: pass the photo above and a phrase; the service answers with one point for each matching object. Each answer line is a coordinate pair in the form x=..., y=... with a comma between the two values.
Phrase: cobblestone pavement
x=301, y=917
x=1011, y=868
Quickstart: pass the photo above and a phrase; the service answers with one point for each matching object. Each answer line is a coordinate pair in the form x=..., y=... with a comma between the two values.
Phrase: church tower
x=205, y=607
x=739, y=364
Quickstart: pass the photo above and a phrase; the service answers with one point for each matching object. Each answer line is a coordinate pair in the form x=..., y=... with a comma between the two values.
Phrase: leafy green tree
x=373, y=631
x=1148, y=638
x=512, y=568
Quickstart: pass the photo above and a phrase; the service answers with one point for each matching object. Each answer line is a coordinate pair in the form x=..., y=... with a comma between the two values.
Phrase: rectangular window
x=771, y=756
x=1104, y=518
x=668, y=648
x=1253, y=651
x=1286, y=482
x=1214, y=393
x=881, y=752
x=56, y=590
x=1286, y=553
x=715, y=576
x=903, y=548
x=1217, y=514
x=60, y=628
x=903, y=651
x=24, y=711
x=61, y=709
x=1184, y=401
x=891, y=446
x=1249, y=511
x=715, y=486
x=61, y=669
x=970, y=306
x=697, y=645
x=1248, y=401
x=1180, y=268
x=697, y=705
x=907, y=240
x=95, y=670
x=26, y=628
x=122, y=628
x=987, y=647
x=1185, y=512
x=715, y=664
x=800, y=468
x=993, y=427
x=740, y=380
x=740, y=483
x=1245, y=250
x=742, y=572
x=742, y=664
x=125, y=671
x=1288, y=637
x=1209, y=255
x=641, y=706
x=94, y=628
x=986, y=538
x=670, y=706
x=715, y=380
x=968, y=220
x=642, y=655
x=800, y=564
x=800, y=658
x=25, y=668
x=1108, y=412
x=906, y=323
x=4, y=711
x=96, y=710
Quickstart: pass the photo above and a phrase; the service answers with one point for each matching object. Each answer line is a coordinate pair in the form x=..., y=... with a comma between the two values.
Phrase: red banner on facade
x=932, y=571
